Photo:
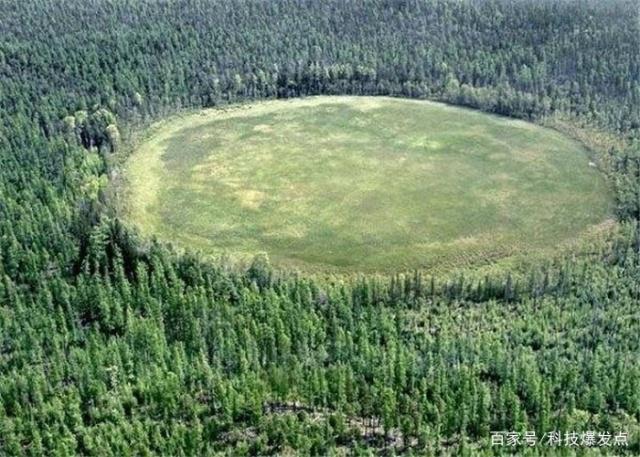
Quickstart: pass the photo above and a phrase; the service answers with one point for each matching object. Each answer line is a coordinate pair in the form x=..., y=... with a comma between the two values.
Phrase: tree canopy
x=111, y=344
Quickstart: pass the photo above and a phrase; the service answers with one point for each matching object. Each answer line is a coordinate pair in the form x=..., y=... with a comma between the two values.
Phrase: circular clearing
x=363, y=184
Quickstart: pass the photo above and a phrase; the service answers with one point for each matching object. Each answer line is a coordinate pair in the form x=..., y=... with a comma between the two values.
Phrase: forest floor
x=350, y=184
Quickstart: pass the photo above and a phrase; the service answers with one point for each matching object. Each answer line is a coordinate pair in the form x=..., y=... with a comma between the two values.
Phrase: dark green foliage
x=111, y=345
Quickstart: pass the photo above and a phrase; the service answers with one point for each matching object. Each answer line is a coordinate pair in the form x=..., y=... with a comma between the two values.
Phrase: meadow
x=364, y=184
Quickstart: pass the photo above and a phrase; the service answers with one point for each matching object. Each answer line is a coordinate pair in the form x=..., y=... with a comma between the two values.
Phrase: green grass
x=363, y=184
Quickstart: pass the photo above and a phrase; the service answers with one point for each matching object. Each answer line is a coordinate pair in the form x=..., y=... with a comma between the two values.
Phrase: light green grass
x=363, y=184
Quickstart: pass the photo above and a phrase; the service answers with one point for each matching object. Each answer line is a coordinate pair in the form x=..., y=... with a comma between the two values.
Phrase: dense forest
x=114, y=345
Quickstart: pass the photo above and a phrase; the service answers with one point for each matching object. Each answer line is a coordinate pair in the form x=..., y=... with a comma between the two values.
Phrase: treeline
x=520, y=58
x=115, y=345
x=175, y=356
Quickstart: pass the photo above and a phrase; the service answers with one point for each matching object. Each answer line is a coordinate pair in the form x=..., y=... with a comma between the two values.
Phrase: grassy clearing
x=364, y=184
